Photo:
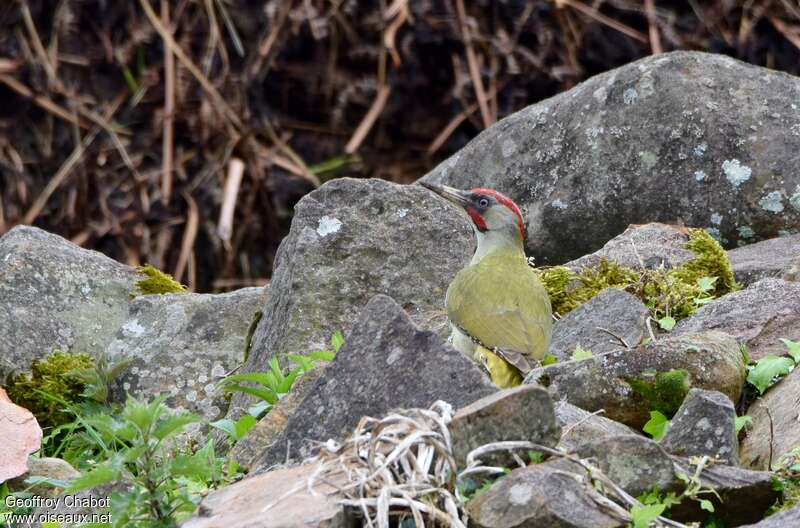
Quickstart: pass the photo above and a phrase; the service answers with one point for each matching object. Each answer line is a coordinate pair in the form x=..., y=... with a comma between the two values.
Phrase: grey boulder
x=386, y=362
x=56, y=295
x=350, y=240
x=704, y=425
x=609, y=321
x=784, y=519
x=613, y=381
x=757, y=316
x=183, y=344
x=683, y=138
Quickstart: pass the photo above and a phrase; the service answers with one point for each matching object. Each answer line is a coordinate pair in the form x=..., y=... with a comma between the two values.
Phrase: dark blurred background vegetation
x=181, y=133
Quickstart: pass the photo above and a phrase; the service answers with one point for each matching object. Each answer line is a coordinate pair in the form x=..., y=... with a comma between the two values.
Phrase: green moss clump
x=157, y=282
x=52, y=376
x=676, y=292
x=663, y=391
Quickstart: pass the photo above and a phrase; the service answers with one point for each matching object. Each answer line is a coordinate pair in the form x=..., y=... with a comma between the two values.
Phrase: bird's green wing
x=503, y=305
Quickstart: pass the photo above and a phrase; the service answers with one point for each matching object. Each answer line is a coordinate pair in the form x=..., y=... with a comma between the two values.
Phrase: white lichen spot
x=132, y=328
x=328, y=225
x=394, y=355
x=558, y=204
x=191, y=396
x=520, y=494
x=600, y=94
x=746, y=231
x=202, y=378
x=735, y=172
x=508, y=147
x=699, y=175
x=795, y=129
x=716, y=219
x=209, y=389
x=649, y=159
x=629, y=96
x=402, y=212
x=700, y=149
x=703, y=424
x=126, y=386
x=772, y=202
x=218, y=371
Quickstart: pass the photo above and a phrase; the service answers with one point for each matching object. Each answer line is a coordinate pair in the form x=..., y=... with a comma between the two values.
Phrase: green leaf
x=266, y=379
x=536, y=457
x=743, y=421
x=305, y=362
x=174, y=424
x=47, y=481
x=549, y=359
x=322, y=355
x=142, y=414
x=656, y=426
x=707, y=283
x=766, y=369
x=337, y=340
x=580, y=353
x=703, y=300
x=226, y=425
x=706, y=505
x=259, y=409
x=666, y=323
x=263, y=394
x=642, y=516
x=794, y=349
x=101, y=474
x=244, y=424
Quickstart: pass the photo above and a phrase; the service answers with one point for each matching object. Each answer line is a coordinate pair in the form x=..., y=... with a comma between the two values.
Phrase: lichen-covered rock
x=704, y=425
x=757, y=316
x=579, y=426
x=278, y=499
x=386, y=362
x=628, y=384
x=184, y=344
x=633, y=462
x=775, y=429
x=520, y=414
x=541, y=496
x=682, y=137
x=350, y=240
x=642, y=246
x=248, y=449
x=598, y=325
x=56, y=295
x=770, y=258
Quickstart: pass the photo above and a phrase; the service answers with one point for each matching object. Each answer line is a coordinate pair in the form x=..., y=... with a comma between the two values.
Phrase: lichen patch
x=772, y=202
x=735, y=172
x=328, y=226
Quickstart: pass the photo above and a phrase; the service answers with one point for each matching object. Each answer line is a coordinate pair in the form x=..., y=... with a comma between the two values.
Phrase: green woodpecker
x=499, y=312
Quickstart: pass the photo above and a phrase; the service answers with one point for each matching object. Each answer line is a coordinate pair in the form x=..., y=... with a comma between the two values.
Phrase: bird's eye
x=483, y=202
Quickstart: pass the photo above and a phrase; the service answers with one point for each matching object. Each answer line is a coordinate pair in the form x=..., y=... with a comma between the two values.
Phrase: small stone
x=523, y=413
x=757, y=316
x=579, y=426
x=775, y=429
x=266, y=501
x=770, y=258
x=542, y=495
x=704, y=425
x=600, y=325
x=633, y=462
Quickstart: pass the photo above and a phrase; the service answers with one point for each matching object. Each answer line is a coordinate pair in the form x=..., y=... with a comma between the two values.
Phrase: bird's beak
x=456, y=196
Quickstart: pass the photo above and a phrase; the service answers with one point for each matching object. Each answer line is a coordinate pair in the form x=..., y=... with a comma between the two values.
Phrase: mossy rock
x=50, y=380
x=675, y=292
x=157, y=282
